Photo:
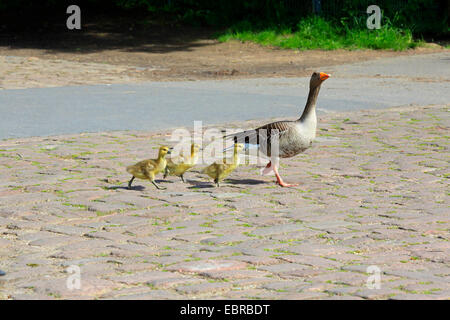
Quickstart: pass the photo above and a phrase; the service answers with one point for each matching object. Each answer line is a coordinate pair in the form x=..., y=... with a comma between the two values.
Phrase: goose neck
x=310, y=107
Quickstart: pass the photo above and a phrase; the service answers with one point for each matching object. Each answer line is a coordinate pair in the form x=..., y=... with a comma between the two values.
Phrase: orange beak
x=324, y=76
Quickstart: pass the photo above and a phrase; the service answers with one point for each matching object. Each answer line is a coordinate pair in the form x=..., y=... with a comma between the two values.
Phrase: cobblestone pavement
x=374, y=192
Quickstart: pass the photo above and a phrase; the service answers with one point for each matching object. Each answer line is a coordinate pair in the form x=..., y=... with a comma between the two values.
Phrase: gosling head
x=195, y=148
x=238, y=147
x=317, y=78
x=163, y=150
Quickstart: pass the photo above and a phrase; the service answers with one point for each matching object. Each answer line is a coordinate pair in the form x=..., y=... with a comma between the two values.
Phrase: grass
x=318, y=33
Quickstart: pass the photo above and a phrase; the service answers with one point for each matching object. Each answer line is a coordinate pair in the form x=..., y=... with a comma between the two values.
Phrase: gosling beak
x=169, y=151
x=324, y=76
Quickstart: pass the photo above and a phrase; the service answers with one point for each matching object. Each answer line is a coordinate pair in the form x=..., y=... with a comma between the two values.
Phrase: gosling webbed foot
x=158, y=187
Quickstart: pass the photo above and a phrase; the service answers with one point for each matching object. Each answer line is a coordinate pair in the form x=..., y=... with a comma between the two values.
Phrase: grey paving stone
x=203, y=288
x=5, y=243
x=67, y=230
x=113, y=236
x=377, y=293
x=52, y=242
x=256, y=260
x=406, y=296
x=343, y=297
x=277, y=229
x=283, y=286
x=283, y=267
x=233, y=274
x=143, y=277
x=169, y=282
x=32, y=296
x=310, y=261
x=226, y=239
x=418, y=275
x=207, y=266
x=343, y=291
x=332, y=225
x=151, y=295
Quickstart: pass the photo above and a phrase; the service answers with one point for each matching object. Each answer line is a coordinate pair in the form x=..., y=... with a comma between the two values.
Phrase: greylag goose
x=292, y=137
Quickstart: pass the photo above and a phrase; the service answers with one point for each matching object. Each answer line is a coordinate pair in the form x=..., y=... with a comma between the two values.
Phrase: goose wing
x=262, y=134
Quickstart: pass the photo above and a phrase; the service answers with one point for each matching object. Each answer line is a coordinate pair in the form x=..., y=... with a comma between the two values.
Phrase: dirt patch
x=105, y=53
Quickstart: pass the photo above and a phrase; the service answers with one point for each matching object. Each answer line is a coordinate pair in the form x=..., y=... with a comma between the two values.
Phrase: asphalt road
x=406, y=80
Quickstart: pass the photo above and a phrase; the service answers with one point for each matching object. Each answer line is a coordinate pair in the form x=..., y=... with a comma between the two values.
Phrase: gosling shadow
x=134, y=188
x=200, y=184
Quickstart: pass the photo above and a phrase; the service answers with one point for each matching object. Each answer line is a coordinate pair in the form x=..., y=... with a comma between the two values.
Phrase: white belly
x=295, y=140
x=300, y=139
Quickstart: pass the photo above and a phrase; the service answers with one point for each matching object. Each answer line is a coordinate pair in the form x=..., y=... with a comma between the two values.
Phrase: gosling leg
x=157, y=186
x=182, y=179
x=130, y=182
x=166, y=172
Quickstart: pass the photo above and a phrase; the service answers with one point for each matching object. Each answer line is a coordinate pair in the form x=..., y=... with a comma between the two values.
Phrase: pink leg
x=280, y=180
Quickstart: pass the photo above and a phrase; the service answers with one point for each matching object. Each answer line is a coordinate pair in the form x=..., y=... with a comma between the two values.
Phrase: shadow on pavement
x=245, y=181
x=103, y=32
x=134, y=188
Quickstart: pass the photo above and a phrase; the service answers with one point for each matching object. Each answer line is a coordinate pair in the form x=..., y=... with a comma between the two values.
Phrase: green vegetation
x=318, y=33
x=419, y=16
x=291, y=24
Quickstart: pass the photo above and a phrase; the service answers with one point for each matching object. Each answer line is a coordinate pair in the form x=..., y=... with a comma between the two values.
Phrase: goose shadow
x=245, y=181
x=204, y=185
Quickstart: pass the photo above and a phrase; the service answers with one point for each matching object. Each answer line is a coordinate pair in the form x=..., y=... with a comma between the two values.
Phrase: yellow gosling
x=179, y=165
x=219, y=171
x=148, y=169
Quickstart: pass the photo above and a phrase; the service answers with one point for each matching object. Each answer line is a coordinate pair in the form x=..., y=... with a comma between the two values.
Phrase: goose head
x=317, y=78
